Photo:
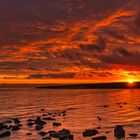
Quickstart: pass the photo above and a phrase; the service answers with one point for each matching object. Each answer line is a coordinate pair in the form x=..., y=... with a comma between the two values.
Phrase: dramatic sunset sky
x=55, y=41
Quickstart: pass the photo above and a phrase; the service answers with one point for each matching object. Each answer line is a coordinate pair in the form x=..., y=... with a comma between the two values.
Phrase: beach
x=100, y=109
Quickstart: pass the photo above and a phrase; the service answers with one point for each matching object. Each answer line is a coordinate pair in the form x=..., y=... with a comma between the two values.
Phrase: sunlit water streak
x=84, y=106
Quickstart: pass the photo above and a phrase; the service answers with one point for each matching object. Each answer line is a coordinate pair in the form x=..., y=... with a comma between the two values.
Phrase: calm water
x=83, y=107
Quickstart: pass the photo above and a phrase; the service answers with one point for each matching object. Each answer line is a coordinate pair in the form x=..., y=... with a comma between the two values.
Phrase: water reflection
x=84, y=107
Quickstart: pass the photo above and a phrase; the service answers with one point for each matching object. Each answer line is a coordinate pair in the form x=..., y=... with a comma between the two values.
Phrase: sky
x=69, y=41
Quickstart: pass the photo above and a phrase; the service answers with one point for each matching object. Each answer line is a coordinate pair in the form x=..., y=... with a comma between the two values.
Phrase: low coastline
x=115, y=85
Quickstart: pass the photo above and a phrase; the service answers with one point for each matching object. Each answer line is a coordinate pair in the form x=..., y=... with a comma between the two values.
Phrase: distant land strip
x=115, y=85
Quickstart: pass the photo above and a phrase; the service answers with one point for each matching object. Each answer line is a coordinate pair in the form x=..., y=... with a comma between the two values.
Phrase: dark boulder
x=15, y=127
x=46, y=138
x=16, y=120
x=5, y=134
x=39, y=121
x=2, y=126
x=63, y=134
x=89, y=133
x=119, y=131
x=56, y=124
x=100, y=138
x=30, y=123
x=38, y=127
x=42, y=133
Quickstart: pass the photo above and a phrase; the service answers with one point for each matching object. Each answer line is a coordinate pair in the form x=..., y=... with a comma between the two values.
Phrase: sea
x=82, y=106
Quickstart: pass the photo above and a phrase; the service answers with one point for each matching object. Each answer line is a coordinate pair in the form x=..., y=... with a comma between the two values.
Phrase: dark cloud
x=98, y=46
x=122, y=57
x=54, y=75
x=122, y=52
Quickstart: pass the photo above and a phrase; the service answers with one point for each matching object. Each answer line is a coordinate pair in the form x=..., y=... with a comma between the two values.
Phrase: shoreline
x=115, y=85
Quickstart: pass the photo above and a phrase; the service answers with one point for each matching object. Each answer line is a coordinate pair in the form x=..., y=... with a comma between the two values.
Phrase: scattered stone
x=98, y=127
x=63, y=134
x=39, y=121
x=29, y=134
x=16, y=120
x=2, y=126
x=30, y=120
x=49, y=119
x=133, y=134
x=56, y=124
x=46, y=138
x=38, y=127
x=108, y=132
x=5, y=134
x=42, y=133
x=42, y=109
x=100, y=138
x=119, y=132
x=99, y=118
x=30, y=124
x=15, y=127
x=89, y=133
x=49, y=113
x=8, y=121
x=44, y=114
x=106, y=106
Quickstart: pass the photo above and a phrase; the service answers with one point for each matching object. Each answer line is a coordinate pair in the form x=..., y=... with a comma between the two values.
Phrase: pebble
x=56, y=124
x=133, y=134
x=100, y=138
x=89, y=133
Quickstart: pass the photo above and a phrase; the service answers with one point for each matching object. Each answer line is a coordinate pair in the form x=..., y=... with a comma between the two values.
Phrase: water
x=83, y=107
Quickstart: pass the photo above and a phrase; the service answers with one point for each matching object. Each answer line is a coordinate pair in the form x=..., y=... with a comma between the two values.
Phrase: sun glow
x=130, y=81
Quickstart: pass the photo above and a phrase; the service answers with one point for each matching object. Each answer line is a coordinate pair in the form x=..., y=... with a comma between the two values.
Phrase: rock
x=53, y=134
x=38, y=127
x=30, y=124
x=70, y=137
x=39, y=121
x=56, y=124
x=2, y=126
x=30, y=120
x=44, y=114
x=108, y=132
x=5, y=134
x=42, y=109
x=15, y=127
x=46, y=138
x=49, y=119
x=29, y=134
x=42, y=133
x=16, y=120
x=99, y=118
x=100, y=138
x=8, y=121
x=119, y=132
x=89, y=133
x=106, y=106
x=63, y=134
x=133, y=134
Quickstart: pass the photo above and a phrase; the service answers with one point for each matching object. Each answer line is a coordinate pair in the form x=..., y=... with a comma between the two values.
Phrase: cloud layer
x=73, y=39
